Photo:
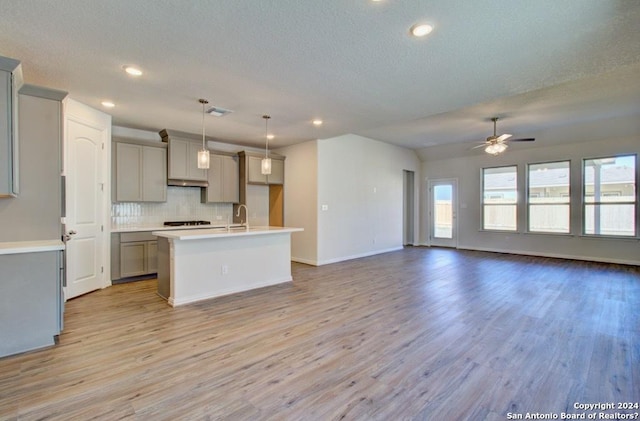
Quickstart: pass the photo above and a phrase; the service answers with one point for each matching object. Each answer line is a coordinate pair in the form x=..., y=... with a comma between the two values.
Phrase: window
x=609, y=196
x=499, y=198
x=548, y=197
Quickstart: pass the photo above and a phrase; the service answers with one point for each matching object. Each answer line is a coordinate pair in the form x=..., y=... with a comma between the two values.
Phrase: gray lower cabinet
x=140, y=173
x=224, y=180
x=137, y=254
x=31, y=305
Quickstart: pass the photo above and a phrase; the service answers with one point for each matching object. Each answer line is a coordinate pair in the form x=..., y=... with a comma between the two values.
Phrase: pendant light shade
x=266, y=161
x=266, y=166
x=203, y=154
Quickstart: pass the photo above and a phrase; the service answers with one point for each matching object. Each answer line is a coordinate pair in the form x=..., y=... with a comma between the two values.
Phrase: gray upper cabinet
x=140, y=173
x=277, y=172
x=154, y=174
x=254, y=169
x=255, y=175
x=183, y=158
x=128, y=172
x=224, y=180
x=10, y=82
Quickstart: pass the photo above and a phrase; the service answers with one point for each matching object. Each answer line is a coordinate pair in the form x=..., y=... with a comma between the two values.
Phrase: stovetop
x=181, y=223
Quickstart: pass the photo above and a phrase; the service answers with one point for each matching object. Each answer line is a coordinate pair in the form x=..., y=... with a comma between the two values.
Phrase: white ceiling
x=352, y=63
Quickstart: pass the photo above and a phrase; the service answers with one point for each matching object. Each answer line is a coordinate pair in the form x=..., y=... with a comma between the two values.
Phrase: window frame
x=634, y=203
x=528, y=197
x=483, y=204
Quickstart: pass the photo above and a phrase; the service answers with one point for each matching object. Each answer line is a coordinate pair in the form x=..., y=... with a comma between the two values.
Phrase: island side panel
x=213, y=267
x=164, y=268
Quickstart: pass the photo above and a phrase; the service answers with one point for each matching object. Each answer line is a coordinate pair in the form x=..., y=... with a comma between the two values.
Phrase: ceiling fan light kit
x=495, y=145
x=496, y=148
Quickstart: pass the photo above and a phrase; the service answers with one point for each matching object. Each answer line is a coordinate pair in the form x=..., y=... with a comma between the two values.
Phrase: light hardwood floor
x=431, y=334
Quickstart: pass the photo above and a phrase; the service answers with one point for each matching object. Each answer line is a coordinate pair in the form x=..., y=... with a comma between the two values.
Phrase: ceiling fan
x=495, y=144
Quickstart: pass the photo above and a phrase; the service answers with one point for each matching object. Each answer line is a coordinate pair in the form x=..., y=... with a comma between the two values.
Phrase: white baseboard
x=554, y=255
x=357, y=256
x=487, y=249
x=304, y=261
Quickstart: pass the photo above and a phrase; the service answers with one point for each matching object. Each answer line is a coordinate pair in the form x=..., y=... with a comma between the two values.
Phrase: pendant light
x=266, y=161
x=203, y=155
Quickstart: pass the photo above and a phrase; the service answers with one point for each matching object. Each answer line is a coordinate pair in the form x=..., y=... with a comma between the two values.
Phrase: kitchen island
x=198, y=264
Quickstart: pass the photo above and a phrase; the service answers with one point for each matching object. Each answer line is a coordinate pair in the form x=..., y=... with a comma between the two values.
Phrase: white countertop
x=16, y=247
x=221, y=232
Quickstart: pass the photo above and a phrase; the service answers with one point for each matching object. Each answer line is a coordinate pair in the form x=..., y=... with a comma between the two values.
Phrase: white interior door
x=87, y=135
x=443, y=209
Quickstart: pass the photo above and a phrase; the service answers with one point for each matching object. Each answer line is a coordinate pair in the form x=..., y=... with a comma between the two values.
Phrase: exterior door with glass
x=443, y=209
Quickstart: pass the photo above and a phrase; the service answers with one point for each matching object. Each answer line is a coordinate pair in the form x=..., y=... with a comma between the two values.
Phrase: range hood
x=187, y=183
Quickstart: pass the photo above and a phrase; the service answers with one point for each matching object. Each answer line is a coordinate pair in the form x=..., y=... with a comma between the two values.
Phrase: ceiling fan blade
x=526, y=139
x=483, y=145
x=503, y=137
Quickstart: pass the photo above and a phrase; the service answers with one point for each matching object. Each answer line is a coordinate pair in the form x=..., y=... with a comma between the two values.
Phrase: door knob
x=68, y=235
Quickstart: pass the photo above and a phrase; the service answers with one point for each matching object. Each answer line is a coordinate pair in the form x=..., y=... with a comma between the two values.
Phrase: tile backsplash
x=183, y=203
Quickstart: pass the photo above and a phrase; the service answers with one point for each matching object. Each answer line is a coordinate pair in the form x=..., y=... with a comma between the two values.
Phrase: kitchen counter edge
x=17, y=247
x=209, y=233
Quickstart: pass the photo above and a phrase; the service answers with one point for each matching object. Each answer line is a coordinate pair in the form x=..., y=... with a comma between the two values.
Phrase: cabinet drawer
x=128, y=237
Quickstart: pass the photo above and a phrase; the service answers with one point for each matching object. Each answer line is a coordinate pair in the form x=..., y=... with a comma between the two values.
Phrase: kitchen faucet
x=246, y=214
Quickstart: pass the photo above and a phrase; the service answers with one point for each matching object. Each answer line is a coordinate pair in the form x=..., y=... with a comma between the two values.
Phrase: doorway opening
x=408, y=205
x=443, y=209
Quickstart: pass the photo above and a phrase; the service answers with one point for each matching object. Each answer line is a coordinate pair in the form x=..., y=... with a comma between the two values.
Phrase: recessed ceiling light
x=317, y=122
x=270, y=136
x=421, y=29
x=133, y=71
x=108, y=104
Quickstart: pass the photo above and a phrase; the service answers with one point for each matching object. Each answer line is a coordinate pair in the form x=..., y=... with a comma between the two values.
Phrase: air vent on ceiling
x=218, y=111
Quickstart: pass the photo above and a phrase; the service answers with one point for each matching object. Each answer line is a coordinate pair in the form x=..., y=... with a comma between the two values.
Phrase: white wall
x=301, y=199
x=258, y=205
x=360, y=181
x=468, y=169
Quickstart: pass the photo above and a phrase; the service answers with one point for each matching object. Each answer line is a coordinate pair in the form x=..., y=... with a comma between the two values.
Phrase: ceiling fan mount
x=495, y=144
